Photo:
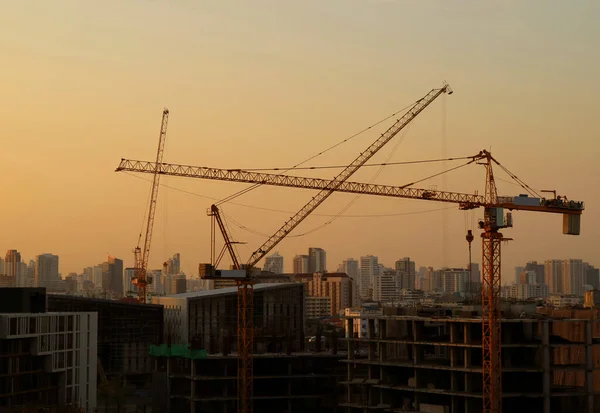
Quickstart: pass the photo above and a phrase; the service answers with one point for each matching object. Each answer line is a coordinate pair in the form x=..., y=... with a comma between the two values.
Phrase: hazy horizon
x=269, y=84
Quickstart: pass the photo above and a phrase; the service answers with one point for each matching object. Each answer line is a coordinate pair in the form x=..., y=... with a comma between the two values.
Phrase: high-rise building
x=386, y=286
x=97, y=276
x=553, y=276
x=112, y=276
x=538, y=269
x=573, y=277
x=128, y=285
x=301, y=264
x=317, y=260
x=88, y=274
x=518, y=271
x=11, y=263
x=454, y=280
x=592, y=276
x=274, y=263
x=46, y=270
x=336, y=286
x=174, y=264
x=405, y=268
x=350, y=267
x=369, y=268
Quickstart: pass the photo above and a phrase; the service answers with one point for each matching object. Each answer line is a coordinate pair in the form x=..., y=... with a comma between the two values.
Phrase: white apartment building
x=386, y=287
x=63, y=343
x=274, y=263
x=573, y=277
x=369, y=268
x=560, y=300
x=525, y=291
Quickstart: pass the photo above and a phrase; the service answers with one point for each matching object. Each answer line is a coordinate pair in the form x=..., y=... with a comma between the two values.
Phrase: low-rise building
x=560, y=300
x=317, y=307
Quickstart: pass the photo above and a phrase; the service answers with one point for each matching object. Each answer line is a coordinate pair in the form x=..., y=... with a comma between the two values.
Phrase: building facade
x=369, y=268
x=274, y=263
x=301, y=264
x=317, y=260
x=46, y=270
x=48, y=358
x=405, y=268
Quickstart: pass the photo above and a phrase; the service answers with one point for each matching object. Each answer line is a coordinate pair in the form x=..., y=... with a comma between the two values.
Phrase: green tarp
x=177, y=350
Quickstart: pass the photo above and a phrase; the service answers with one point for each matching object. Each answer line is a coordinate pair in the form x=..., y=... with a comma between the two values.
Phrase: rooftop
x=228, y=290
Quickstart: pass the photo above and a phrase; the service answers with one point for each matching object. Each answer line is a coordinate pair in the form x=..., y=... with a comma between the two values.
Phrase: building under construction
x=432, y=362
x=296, y=382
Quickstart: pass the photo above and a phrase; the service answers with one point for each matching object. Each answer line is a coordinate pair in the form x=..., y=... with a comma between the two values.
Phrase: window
x=70, y=325
x=32, y=325
x=13, y=327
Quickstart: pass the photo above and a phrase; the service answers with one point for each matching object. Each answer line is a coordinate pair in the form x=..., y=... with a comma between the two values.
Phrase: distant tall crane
x=141, y=278
x=242, y=274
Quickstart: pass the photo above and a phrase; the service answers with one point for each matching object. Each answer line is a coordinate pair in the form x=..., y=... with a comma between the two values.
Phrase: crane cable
x=345, y=166
x=252, y=187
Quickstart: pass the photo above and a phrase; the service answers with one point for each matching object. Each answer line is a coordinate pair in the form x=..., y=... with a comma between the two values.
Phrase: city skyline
x=499, y=104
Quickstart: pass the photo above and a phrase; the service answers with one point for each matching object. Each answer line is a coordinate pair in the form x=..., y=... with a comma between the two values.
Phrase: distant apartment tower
x=46, y=270
x=405, y=268
x=386, y=286
x=336, y=286
x=128, y=285
x=454, y=280
x=369, y=268
x=592, y=276
x=174, y=264
x=317, y=260
x=350, y=267
x=12, y=263
x=553, y=275
x=274, y=263
x=518, y=271
x=573, y=277
x=88, y=274
x=301, y=264
x=112, y=276
x=97, y=276
x=538, y=269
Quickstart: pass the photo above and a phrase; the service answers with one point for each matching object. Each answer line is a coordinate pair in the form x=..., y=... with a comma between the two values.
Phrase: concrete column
x=193, y=387
x=589, y=365
x=415, y=351
x=546, y=364
x=453, y=334
x=289, y=379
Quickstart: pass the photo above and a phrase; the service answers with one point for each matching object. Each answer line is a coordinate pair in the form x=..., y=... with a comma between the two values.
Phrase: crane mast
x=141, y=256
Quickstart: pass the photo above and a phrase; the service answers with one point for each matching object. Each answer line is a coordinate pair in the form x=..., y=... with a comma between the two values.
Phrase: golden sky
x=270, y=83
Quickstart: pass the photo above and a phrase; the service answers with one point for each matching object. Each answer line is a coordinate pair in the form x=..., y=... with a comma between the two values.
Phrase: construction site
x=412, y=364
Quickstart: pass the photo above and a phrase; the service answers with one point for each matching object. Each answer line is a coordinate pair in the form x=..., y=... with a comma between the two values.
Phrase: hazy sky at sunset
x=270, y=83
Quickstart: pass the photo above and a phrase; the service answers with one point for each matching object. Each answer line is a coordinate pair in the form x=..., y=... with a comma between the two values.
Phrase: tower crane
x=493, y=221
x=141, y=278
x=242, y=273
